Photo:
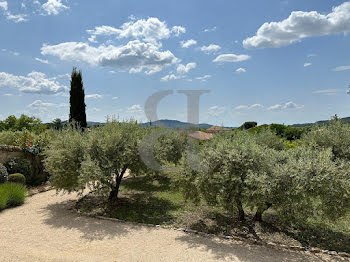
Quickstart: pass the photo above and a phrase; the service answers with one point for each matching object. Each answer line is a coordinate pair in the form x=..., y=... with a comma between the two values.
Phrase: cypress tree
x=77, y=99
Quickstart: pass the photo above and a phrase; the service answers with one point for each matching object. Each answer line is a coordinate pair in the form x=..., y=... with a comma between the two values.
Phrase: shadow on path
x=223, y=250
x=60, y=215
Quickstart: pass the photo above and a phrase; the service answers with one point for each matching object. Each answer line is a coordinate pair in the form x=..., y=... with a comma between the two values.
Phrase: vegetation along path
x=46, y=228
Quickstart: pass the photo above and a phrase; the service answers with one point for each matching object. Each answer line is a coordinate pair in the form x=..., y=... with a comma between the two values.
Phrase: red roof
x=199, y=135
x=215, y=129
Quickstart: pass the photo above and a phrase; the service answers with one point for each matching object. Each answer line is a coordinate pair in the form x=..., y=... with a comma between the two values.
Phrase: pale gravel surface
x=46, y=229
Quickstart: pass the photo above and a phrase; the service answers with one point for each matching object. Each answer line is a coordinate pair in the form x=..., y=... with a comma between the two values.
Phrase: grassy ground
x=154, y=202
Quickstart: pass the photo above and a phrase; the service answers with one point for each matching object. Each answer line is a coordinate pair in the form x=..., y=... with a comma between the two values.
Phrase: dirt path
x=46, y=229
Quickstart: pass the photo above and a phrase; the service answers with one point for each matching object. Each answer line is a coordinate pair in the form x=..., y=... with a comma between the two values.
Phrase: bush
x=335, y=135
x=3, y=174
x=309, y=184
x=63, y=158
x=11, y=195
x=17, y=178
x=21, y=166
x=248, y=125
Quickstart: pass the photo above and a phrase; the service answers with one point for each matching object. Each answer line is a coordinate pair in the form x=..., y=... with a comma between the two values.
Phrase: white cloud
x=288, y=105
x=181, y=71
x=95, y=109
x=42, y=60
x=210, y=48
x=291, y=105
x=34, y=82
x=178, y=30
x=115, y=98
x=328, y=91
x=188, y=43
x=41, y=104
x=134, y=109
x=150, y=30
x=8, y=95
x=275, y=107
x=9, y=16
x=300, y=25
x=210, y=29
x=241, y=70
x=240, y=107
x=230, y=58
x=256, y=106
x=341, y=68
x=135, y=56
x=311, y=55
x=4, y=5
x=216, y=110
x=169, y=77
x=204, y=78
x=53, y=7
x=94, y=96
x=184, y=69
x=244, y=107
x=307, y=64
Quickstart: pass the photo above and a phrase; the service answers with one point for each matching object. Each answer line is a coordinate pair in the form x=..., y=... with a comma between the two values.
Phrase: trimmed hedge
x=17, y=178
x=12, y=194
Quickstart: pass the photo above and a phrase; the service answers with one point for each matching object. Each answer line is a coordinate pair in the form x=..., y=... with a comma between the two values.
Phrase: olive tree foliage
x=63, y=157
x=169, y=146
x=112, y=151
x=241, y=171
x=100, y=158
x=308, y=183
x=335, y=135
x=236, y=171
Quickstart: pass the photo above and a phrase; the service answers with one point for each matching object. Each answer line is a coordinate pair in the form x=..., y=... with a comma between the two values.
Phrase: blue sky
x=267, y=61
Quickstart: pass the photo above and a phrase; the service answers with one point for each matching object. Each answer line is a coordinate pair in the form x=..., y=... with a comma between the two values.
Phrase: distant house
x=216, y=129
x=201, y=136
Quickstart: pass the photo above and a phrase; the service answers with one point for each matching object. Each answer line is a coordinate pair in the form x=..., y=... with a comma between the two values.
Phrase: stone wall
x=8, y=152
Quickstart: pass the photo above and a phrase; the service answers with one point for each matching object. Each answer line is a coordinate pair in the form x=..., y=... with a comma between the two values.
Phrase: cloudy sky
x=268, y=61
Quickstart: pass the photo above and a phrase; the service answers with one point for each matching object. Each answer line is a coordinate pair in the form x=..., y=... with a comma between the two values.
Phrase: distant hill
x=175, y=124
x=321, y=122
x=90, y=123
x=160, y=123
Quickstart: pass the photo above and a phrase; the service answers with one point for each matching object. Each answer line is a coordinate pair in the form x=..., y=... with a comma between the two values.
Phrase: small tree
x=237, y=173
x=63, y=157
x=57, y=124
x=335, y=135
x=77, y=100
x=248, y=125
x=113, y=149
x=307, y=183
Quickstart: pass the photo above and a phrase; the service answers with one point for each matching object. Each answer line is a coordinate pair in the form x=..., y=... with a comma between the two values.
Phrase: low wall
x=8, y=152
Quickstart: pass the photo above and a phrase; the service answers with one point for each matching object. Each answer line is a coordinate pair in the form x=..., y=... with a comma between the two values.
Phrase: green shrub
x=21, y=166
x=11, y=195
x=3, y=174
x=8, y=138
x=17, y=178
x=335, y=135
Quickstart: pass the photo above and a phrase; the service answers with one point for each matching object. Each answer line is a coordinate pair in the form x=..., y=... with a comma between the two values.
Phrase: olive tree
x=63, y=157
x=308, y=183
x=112, y=151
x=236, y=172
x=335, y=135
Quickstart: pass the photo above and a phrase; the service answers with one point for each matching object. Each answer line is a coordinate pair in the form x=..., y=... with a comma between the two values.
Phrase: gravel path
x=46, y=229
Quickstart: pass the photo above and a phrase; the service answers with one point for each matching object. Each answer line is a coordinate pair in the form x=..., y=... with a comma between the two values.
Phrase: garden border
x=313, y=250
